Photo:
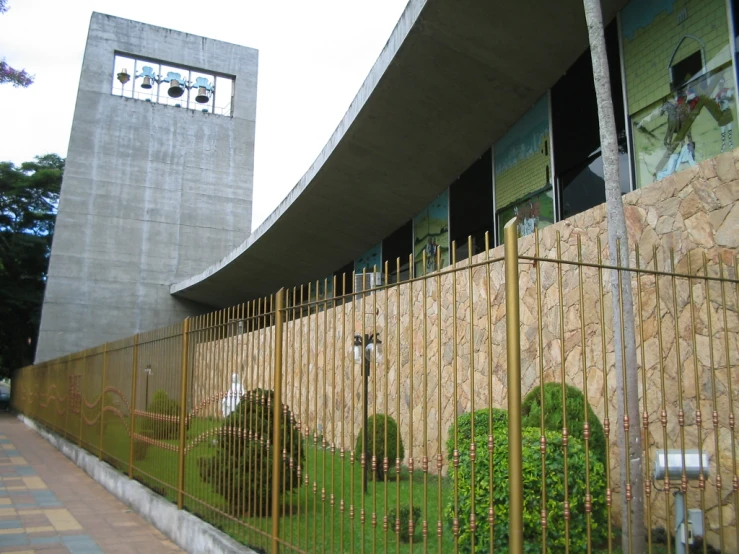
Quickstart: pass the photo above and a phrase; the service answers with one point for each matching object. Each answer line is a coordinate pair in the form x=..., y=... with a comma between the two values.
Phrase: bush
x=241, y=471
x=482, y=426
x=377, y=425
x=405, y=512
x=140, y=449
x=532, y=478
x=162, y=429
x=531, y=414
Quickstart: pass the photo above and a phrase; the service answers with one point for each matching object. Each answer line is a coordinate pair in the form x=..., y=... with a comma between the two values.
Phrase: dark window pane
x=398, y=245
x=344, y=272
x=471, y=206
x=577, y=154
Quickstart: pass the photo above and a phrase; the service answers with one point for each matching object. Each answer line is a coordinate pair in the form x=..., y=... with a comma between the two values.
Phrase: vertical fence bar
x=563, y=376
x=132, y=415
x=63, y=385
x=183, y=415
x=102, y=400
x=82, y=397
x=277, y=414
x=513, y=343
x=542, y=425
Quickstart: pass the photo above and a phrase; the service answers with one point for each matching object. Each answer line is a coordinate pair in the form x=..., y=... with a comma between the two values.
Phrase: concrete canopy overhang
x=452, y=78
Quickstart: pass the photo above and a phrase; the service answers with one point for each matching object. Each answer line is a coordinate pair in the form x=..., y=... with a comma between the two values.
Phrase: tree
x=29, y=196
x=618, y=246
x=18, y=77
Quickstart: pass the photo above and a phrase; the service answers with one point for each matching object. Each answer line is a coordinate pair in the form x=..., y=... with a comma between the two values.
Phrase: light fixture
x=374, y=350
x=175, y=89
x=123, y=76
x=372, y=347
x=357, y=348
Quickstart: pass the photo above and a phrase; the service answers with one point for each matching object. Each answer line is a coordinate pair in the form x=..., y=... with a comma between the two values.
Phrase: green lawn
x=308, y=522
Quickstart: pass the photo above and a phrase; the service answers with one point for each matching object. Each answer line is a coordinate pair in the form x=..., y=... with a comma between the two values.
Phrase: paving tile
x=10, y=523
x=50, y=506
x=44, y=540
x=15, y=539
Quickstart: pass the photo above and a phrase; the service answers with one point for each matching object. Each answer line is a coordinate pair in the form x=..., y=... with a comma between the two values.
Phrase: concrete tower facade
x=152, y=193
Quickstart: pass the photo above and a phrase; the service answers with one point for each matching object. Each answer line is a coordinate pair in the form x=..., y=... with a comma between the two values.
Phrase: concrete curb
x=187, y=531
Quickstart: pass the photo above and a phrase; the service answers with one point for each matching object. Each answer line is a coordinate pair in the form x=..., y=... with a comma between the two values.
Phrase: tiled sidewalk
x=49, y=505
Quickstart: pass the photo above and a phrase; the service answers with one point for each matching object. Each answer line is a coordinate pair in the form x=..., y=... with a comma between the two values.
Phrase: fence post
x=132, y=419
x=513, y=342
x=102, y=400
x=183, y=414
x=65, y=383
x=277, y=418
x=82, y=396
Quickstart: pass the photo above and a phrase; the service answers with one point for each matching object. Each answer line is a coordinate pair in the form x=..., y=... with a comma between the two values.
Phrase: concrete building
x=156, y=188
x=476, y=112
x=472, y=114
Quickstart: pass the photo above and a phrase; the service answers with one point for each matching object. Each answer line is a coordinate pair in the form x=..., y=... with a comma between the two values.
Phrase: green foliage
x=17, y=77
x=553, y=415
x=482, y=425
x=532, y=478
x=378, y=425
x=140, y=449
x=29, y=195
x=404, y=523
x=162, y=429
x=241, y=471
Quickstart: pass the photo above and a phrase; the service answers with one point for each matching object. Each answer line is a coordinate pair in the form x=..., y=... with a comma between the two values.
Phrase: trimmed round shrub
x=553, y=416
x=482, y=420
x=140, y=449
x=461, y=479
x=241, y=471
x=377, y=426
x=404, y=523
x=168, y=427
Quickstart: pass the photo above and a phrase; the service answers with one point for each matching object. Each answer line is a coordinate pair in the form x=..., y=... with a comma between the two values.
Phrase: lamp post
x=147, y=370
x=365, y=347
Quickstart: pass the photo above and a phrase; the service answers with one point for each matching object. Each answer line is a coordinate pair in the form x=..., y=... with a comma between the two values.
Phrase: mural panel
x=431, y=235
x=523, y=172
x=679, y=84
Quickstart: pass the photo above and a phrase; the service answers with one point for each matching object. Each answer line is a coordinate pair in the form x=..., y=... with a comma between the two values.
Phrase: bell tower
x=158, y=180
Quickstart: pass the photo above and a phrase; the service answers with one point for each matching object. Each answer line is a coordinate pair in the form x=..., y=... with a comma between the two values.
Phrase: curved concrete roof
x=452, y=78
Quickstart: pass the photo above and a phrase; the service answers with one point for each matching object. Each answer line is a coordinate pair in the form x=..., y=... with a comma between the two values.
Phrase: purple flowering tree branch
x=17, y=77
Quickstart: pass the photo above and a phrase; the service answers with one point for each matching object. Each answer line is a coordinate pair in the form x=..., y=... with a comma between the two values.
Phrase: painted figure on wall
x=724, y=97
x=431, y=236
x=682, y=114
x=528, y=217
x=533, y=212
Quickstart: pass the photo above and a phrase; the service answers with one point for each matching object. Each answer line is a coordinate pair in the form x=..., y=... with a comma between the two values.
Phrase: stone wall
x=444, y=338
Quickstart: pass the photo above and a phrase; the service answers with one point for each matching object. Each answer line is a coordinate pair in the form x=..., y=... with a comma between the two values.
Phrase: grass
x=309, y=520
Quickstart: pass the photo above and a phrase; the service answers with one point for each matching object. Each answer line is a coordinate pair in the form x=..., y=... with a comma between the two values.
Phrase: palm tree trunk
x=627, y=388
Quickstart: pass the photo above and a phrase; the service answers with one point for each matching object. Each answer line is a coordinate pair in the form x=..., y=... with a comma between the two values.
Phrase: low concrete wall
x=189, y=532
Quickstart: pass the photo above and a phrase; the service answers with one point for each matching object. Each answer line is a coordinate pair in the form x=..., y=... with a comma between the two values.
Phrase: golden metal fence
x=196, y=410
